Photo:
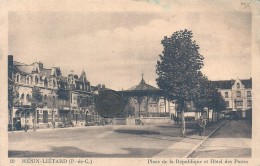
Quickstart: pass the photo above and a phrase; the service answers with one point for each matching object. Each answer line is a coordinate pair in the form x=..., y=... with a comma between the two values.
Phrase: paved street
x=232, y=140
x=101, y=141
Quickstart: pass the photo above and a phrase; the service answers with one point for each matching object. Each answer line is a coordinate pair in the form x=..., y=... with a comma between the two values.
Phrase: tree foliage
x=203, y=92
x=36, y=99
x=179, y=65
x=216, y=101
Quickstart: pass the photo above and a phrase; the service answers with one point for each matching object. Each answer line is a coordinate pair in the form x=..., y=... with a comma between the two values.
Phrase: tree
x=202, y=93
x=178, y=68
x=13, y=100
x=216, y=103
x=36, y=101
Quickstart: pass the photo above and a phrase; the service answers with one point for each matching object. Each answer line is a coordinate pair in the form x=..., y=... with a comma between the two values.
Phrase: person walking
x=202, y=125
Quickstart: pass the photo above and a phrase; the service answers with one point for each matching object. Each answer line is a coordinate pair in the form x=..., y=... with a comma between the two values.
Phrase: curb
x=55, y=129
x=193, y=149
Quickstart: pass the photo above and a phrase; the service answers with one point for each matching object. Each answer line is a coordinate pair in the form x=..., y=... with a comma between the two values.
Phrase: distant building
x=237, y=94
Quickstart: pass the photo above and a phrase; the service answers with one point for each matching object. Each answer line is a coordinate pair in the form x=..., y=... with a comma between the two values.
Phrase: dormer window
x=28, y=80
x=36, y=80
x=238, y=85
x=17, y=78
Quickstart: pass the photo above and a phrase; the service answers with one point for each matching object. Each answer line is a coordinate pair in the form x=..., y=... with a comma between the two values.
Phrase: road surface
x=98, y=141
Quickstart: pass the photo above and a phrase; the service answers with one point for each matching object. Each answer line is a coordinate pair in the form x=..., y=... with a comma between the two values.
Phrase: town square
x=130, y=85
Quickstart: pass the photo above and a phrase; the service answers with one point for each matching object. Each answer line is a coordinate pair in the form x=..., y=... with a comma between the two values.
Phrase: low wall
x=156, y=120
x=119, y=121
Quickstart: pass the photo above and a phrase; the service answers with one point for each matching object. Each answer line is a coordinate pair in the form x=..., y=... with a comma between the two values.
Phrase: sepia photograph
x=115, y=84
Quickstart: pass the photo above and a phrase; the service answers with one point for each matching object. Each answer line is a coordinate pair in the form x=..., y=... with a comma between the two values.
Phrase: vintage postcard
x=131, y=82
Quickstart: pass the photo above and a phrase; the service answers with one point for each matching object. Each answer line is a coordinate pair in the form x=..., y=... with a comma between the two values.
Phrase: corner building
x=65, y=100
x=237, y=95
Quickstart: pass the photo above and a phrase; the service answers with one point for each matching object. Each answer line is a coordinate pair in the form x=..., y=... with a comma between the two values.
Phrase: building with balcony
x=237, y=94
x=64, y=100
x=24, y=78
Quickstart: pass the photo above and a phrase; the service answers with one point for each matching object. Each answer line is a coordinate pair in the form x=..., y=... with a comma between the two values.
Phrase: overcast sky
x=114, y=48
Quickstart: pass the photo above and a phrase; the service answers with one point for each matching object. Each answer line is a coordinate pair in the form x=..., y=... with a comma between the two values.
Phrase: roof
x=247, y=83
x=45, y=72
x=19, y=63
x=223, y=84
x=143, y=86
x=227, y=84
x=24, y=68
x=63, y=78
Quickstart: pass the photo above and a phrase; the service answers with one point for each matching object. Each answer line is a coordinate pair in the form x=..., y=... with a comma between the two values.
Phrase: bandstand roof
x=143, y=89
x=143, y=86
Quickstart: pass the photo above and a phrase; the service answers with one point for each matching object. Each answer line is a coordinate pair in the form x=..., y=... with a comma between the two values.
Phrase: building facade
x=237, y=94
x=64, y=100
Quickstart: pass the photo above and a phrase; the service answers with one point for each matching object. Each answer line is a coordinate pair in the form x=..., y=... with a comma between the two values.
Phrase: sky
x=115, y=48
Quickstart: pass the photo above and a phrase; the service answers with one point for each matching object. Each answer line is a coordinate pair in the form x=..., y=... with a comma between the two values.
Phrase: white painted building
x=237, y=94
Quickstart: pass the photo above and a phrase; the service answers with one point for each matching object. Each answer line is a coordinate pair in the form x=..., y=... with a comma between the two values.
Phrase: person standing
x=202, y=125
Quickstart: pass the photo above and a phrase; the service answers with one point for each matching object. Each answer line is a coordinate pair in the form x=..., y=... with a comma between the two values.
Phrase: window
x=238, y=94
x=27, y=98
x=17, y=95
x=248, y=93
x=45, y=83
x=239, y=103
x=22, y=97
x=249, y=103
x=17, y=78
x=36, y=80
x=238, y=85
x=227, y=103
x=27, y=80
x=45, y=116
x=226, y=94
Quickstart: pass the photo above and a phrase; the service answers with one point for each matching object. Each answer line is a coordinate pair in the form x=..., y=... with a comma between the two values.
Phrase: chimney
x=40, y=65
x=103, y=86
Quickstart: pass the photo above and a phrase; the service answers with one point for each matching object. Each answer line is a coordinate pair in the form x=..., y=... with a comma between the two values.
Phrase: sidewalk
x=51, y=129
x=186, y=146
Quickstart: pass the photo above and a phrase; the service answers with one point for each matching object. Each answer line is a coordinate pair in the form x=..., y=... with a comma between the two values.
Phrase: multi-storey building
x=237, y=94
x=66, y=100
x=24, y=78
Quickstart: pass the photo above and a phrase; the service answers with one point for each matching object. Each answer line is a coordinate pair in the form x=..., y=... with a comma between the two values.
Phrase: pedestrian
x=53, y=124
x=202, y=125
